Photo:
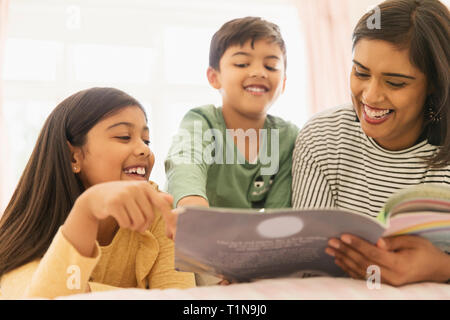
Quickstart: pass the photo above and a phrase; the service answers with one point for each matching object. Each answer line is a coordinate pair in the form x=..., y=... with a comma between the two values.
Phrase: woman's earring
x=75, y=169
x=433, y=116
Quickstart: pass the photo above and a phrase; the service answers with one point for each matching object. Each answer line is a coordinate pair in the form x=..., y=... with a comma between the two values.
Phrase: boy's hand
x=193, y=201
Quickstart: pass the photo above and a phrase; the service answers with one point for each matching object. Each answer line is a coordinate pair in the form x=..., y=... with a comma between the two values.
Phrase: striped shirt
x=336, y=165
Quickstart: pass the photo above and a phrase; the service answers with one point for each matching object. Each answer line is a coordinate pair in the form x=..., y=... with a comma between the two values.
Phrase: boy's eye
x=147, y=142
x=241, y=65
x=271, y=68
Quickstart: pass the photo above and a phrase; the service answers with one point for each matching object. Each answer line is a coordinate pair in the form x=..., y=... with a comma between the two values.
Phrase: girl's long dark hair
x=423, y=26
x=48, y=188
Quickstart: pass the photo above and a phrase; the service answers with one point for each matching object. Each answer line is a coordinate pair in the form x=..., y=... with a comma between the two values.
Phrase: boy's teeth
x=375, y=114
x=255, y=89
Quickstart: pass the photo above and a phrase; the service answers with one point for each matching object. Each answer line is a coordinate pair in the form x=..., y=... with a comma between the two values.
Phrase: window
x=32, y=60
x=157, y=51
x=110, y=64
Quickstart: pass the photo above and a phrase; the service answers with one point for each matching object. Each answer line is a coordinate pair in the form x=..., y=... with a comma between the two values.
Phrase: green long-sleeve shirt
x=204, y=161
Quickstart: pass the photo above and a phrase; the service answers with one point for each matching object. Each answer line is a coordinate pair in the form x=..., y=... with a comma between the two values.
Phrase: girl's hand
x=171, y=222
x=401, y=259
x=130, y=203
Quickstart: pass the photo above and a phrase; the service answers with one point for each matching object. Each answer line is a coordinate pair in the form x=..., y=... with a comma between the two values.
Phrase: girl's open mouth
x=137, y=172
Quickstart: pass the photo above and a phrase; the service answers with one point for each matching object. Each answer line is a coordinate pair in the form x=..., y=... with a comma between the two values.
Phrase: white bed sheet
x=282, y=289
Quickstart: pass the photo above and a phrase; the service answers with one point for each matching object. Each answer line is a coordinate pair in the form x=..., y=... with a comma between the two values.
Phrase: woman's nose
x=373, y=92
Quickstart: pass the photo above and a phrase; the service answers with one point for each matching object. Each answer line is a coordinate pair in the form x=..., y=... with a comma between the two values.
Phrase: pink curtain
x=327, y=29
x=4, y=155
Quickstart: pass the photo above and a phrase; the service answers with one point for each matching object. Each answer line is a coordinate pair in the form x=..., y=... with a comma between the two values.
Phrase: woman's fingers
x=355, y=274
x=362, y=251
x=395, y=243
x=344, y=253
x=347, y=259
x=355, y=255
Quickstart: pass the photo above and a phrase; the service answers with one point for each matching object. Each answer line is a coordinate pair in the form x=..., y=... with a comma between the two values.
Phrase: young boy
x=237, y=155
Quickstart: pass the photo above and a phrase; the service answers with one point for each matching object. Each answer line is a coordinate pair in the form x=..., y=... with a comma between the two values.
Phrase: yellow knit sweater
x=131, y=260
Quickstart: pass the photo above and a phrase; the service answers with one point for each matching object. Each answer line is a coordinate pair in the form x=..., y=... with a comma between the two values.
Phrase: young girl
x=84, y=216
x=394, y=135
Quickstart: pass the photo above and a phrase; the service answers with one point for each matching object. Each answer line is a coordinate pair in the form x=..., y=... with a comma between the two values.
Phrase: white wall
x=155, y=50
x=27, y=102
x=359, y=7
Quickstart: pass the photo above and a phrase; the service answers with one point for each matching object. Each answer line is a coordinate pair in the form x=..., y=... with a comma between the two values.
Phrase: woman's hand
x=401, y=259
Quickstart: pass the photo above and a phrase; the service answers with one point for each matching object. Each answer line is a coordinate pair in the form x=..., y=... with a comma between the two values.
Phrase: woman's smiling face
x=388, y=94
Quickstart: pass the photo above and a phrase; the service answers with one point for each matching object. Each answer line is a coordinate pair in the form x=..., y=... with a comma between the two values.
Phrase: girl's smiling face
x=388, y=94
x=116, y=148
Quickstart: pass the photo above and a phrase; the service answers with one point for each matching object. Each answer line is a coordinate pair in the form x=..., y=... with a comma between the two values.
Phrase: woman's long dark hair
x=423, y=26
x=48, y=188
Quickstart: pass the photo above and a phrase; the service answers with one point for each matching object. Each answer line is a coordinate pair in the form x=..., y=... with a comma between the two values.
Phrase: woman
x=84, y=216
x=393, y=136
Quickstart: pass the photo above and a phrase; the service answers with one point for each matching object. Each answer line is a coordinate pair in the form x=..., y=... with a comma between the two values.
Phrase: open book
x=246, y=245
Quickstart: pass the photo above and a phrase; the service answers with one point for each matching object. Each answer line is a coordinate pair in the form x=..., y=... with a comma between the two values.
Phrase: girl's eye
x=127, y=138
x=396, y=85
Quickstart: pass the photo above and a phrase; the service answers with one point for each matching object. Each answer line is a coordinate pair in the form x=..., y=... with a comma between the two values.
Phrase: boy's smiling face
x=250, y=79
x=116, y=149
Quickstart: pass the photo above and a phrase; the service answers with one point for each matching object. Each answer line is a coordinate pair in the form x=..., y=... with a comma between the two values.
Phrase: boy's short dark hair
x=239, y=31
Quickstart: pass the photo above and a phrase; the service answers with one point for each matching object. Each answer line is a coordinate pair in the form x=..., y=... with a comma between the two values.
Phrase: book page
x=432, y=225
x=246, y=245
